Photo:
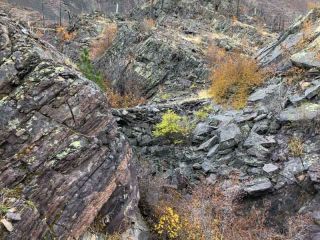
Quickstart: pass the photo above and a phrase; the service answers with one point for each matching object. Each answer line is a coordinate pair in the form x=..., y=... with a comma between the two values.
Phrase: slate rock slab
x=60, y=151
x=258, y=186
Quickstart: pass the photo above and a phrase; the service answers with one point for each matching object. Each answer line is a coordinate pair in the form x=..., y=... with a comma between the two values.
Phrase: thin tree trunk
x=42, y=10
x=60, y=13
x=238, y=9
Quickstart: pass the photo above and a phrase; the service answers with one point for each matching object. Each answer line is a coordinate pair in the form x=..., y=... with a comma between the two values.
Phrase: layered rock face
x=62, y=158
x=86, y=28
x=148, y=61
x=156, y=52
x=295, y=47
x=168, y=57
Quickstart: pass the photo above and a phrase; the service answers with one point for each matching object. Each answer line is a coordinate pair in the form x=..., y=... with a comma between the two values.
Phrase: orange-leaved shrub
x=233, y=79
x=148, y=24
x=122, y=100
x=103, y=41
x=64, y=34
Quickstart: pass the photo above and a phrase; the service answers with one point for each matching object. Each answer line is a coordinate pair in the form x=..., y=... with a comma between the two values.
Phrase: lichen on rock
x=59, y=145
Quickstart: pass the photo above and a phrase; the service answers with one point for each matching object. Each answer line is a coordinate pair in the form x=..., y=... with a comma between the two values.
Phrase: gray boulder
x=259, y=152
x=291, y=168
x=263, y=93
x=209, y=143
x=316, y=217
x=230, y=136
x=306, y=59
x=213, y=151
x=305, y=112
x=270, y=168
x=314, y=173
x=312, y=91
x=258, y=186
x=201, y=130
x=255, y=139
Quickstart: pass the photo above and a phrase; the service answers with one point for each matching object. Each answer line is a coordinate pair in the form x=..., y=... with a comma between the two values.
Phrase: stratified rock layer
x=61, y=157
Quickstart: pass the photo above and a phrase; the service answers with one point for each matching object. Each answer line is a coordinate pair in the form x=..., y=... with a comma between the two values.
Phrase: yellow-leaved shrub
x=173, y=126
x=169, y=224
x=233, y=79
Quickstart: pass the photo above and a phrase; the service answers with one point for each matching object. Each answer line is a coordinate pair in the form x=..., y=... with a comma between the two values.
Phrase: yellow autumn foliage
x=233, y=79
x=169, y=224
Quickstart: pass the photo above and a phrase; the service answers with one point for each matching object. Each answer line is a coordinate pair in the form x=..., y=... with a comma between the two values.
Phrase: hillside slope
x=249, y=171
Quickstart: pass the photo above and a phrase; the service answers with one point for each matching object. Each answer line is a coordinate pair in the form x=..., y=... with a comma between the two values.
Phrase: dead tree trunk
x=42, y=11
x=60, y=13
x=238, y=9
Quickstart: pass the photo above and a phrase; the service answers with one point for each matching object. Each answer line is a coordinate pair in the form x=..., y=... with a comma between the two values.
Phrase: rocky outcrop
x=62, y=161
x=84, y=28
x=149, y=61
x=65, y=164
x=170, y=58
x=272, y=144
x=163, y=55
x=296, y=46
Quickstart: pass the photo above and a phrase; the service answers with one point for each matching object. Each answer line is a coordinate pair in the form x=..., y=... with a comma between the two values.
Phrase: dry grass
x=233, y=80
x=124, y=100
x=307, y=29
x=114, y=236
x=148, y=24
x=296, y=147
x=234, y=19
x=127, y=100
x=295, y=75
x=215, y=54
x=103, y=41
x=203, y=94
x=313, y=5
x=39, y=33
x=64, y=35
x=210, y=213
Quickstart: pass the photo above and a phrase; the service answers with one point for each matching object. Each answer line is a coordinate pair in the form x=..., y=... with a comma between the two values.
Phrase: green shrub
x=173, y=126
x=86, y=67
x=203, y=113
x=3, y=209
